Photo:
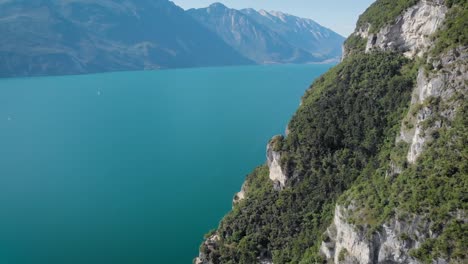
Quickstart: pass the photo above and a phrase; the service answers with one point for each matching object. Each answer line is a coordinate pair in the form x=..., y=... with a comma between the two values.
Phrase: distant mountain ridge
x=303, y=33
x=53, y=37
x=271, y=37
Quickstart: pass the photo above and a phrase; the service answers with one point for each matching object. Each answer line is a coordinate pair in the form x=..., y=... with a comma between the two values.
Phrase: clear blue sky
x=339, y=15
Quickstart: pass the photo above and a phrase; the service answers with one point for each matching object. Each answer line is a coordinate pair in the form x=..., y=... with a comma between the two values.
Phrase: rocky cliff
x=351, y=243
x=373, y=169
x=436, y=97
x=410, y=32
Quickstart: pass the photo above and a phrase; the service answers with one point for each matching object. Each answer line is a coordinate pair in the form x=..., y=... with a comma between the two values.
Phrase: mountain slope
x=373, y=165
x=302, y=33
x=294, y=40
x=78, y=36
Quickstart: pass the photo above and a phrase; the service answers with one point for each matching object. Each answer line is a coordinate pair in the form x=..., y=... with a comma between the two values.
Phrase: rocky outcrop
x=440, y=86
x=277, y=174
x=410, y=33
x=240, y=195
x=342, y=237
x=210, y=244
x=348, y=243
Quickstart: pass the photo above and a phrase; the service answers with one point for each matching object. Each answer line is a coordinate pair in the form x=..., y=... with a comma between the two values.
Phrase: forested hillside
x=375, y=158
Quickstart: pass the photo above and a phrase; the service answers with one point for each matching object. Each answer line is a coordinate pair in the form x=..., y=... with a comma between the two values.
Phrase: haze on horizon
x=338, y=15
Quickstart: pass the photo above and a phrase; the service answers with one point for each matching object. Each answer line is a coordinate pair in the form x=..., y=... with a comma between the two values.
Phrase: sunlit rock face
x=277, y=174
x=349, y=243
x=410, y=33
x=440, y=85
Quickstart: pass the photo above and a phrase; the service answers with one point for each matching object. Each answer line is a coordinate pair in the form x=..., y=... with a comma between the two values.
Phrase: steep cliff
x=374, y=167
x=409, y=33
x=422, y=228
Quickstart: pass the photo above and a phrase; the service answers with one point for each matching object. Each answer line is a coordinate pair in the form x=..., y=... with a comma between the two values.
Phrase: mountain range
x=52, y=37
x=270, y=37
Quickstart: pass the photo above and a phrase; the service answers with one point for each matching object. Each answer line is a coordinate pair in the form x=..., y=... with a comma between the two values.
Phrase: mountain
x=48, y=37
x=373, y=165
x=270, y=37
x=302, y=33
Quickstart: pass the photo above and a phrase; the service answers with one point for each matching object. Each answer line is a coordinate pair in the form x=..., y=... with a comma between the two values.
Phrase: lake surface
x=132, y=167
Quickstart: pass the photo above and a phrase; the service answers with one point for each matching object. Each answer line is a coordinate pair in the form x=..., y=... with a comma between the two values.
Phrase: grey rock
x=389, y=245
x=410, y=33
x=450, y=79
x=277, y=175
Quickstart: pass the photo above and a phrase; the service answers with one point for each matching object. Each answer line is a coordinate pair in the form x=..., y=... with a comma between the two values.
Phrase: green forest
x=339, y=129
x=341, y=148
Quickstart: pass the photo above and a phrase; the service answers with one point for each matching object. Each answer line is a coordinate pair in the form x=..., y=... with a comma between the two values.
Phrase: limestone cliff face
x=409, y=33
x=440, y=85
x=348, y=243
x=277, y=174
x=240, y=195
x=342, y=237
x=433, y=102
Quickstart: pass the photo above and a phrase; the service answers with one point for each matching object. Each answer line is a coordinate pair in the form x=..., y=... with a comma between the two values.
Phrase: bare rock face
x=342, y=237
x=347, y=243
x=240, y=195
x=441, y=85
x=411, y=31
x=277, y=174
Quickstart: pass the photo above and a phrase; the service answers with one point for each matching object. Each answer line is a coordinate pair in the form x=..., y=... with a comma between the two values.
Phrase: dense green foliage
x=341, y=149
x=355, y=44
x=383, y=12
x=337, y=131
x=434, y=187
x=455, y=29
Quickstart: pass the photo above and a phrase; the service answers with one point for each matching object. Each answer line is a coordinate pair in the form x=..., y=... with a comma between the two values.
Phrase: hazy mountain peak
x=262, y=12
x=279, y=15
x=217, y=5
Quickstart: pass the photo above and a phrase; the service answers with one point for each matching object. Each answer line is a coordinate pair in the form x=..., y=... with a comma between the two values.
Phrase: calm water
x=132, y=167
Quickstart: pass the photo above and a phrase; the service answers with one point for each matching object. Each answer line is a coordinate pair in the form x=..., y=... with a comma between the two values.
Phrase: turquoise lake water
x=133, y=167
